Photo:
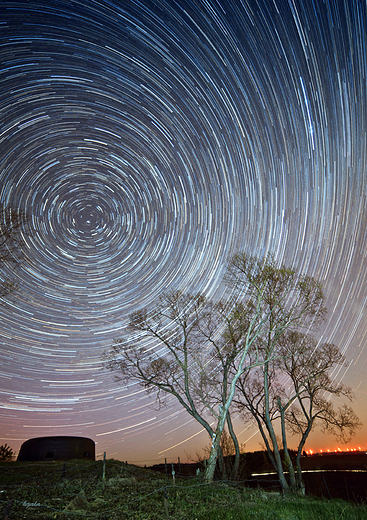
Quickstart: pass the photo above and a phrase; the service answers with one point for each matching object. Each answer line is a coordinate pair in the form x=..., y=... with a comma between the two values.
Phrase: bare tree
x=255, y=401
x=189, y=334
x=14, y=224
x=307, y=402
x=282, y=300
x=298, y=404
x=224, y=330
x=200, y=349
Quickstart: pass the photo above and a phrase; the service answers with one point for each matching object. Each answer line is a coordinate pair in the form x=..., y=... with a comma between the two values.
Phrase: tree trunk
x=212, y=461
x=300, y=482
x=269, y=427
x=222, y=464
x=292, y=476
x=234, y=473
x=278, y=460
x=287, y=458
x=214, y=452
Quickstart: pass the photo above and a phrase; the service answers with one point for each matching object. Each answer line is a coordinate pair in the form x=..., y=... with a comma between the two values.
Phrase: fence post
x=179, y=466
x=173, y=473
x=165, y=467
x=104, y=466
x=166, y=502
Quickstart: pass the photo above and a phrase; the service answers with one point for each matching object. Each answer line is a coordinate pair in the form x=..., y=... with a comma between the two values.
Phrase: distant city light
x=336, y=450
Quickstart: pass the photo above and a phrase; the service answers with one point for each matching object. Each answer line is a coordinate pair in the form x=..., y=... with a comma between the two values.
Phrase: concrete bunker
x=57, y=448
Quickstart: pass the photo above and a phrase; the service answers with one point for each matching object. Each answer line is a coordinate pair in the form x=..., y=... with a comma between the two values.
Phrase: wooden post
x=165, y=467
x=179, y=466
x=173, y=473
x=166, y=502
x=104, y=466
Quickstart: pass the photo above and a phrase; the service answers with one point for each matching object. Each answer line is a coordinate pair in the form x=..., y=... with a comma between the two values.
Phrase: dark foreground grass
x=76, y=490
x=305, y=509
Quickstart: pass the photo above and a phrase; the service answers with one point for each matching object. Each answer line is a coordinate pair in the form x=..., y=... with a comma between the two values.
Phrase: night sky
x=149, y=141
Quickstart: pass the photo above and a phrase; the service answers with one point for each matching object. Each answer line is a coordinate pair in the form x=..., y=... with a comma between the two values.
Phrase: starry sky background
x=149, y=141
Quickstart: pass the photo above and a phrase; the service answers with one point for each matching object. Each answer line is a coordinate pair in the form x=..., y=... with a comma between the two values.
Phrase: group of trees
x=251, y=355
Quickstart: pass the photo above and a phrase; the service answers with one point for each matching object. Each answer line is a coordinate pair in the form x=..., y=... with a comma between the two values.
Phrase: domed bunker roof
x=57, y=448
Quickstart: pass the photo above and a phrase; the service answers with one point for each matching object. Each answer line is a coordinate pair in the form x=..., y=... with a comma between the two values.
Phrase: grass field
x=76, y=489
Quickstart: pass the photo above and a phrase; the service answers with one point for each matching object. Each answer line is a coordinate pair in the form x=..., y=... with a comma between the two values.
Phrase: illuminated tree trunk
x=212, y=462
x=269, y=427
x=287, y=458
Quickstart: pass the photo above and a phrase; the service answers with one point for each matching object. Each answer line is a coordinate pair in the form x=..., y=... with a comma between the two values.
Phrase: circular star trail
x=149, y=141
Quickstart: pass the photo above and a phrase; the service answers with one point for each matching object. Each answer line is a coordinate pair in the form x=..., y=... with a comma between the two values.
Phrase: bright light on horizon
x=336, y=450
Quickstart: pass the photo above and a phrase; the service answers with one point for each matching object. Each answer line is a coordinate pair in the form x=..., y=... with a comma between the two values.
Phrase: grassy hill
x=76, y=489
